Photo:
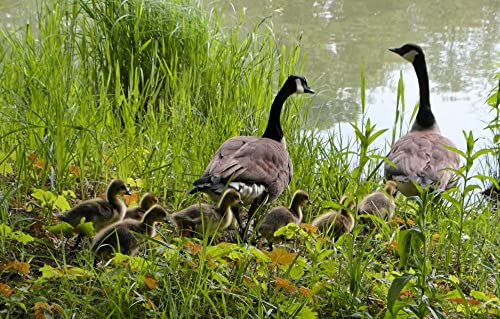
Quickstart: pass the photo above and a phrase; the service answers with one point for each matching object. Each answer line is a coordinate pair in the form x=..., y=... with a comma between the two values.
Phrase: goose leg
x=251, y=211
x=236, y=213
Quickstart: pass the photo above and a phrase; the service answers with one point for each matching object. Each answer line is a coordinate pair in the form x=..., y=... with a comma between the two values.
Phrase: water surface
x=461, y=40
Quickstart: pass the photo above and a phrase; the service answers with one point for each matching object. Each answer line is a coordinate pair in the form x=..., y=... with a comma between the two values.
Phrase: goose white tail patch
x=410, y=55
x=248, y=192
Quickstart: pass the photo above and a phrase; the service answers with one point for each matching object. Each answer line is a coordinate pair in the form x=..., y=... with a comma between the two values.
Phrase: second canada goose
x=380, y=203
x=336, y=223
x=122, y=236
x=420, y=156
x=259, y=168
x=281, y=216
x=205, y=218
x=147, y=201
x=101, y=212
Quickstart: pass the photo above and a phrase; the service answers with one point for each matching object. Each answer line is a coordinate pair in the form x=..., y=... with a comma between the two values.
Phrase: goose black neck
x=273, y=129
x=425, y=118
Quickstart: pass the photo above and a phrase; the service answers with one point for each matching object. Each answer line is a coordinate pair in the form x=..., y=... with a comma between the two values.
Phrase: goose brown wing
x=257, y=160
x=422, y=158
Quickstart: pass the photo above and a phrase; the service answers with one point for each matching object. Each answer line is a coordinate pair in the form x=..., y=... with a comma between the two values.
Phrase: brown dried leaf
x=281, y=256
x=130, y=199
x=285, y=284
x=18, y=266
x=309, y=228
x=150, y=281
x=6, y=290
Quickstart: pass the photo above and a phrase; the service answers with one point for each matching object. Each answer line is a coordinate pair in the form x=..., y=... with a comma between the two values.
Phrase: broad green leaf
x=85, y=228
x=61, y=227
x=6, y=168
x=394, y=291
x=21, y=237
x=5, y=230
x=296, y=272
x=61, y=203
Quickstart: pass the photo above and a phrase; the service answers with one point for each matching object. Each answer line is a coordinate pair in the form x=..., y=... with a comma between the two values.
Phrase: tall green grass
x=147, y=91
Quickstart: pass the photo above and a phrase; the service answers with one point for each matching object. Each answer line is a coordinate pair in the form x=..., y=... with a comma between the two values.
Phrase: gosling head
x=391, y=187
x=148, y=200
x=409, y=51
x=299, y=84
x=231, y=197
x=348, y=203
x=118, y=186
x=301, y=197
x=156, y=214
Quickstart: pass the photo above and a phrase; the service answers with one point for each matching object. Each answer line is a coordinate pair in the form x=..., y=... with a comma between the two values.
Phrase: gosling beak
x=127, y=191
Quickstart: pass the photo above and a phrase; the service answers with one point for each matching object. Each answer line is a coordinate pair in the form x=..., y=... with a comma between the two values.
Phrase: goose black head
x=409, y=51
x=299, y=83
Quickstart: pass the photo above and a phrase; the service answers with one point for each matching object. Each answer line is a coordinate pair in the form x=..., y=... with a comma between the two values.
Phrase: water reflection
x=460, y=38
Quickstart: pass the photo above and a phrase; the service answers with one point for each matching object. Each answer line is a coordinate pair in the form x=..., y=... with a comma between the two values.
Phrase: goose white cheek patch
x=410, y=56
x=300, y=87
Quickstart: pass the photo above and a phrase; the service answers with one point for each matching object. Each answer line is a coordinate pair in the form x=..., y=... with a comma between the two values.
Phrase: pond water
x=461, y=39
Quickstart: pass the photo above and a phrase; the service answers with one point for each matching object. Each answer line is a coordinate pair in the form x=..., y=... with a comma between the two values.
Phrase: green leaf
x=61, y=228
x=45, y=197
x=61, y=203
x=306, y=313
x=288, y=231
x=404, y=246
x=21, y=237
x=296, y=272
x=259, y=255
x=5, y=230
x=85, y=228
x=6, y=168
x=394, y=291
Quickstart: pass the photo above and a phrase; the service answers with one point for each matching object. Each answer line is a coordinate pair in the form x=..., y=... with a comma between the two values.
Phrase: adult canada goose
x=259, y=168
x=147, y=201
x=205, y=218
x=380, y=203
x=122, y=236
x=101, y=212
x=420, y=156
x=281, y=216
x=335, y=222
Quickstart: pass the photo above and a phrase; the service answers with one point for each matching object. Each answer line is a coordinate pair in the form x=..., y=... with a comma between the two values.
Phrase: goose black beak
x=308, y=90
x=395, y=50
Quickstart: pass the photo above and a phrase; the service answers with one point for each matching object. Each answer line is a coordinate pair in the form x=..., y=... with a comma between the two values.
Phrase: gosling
x=336, y=223
x=122, y=237
x=206, y=219
x=99, y=211
x=380, y=203
x=281, y=216
x=147, y=201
